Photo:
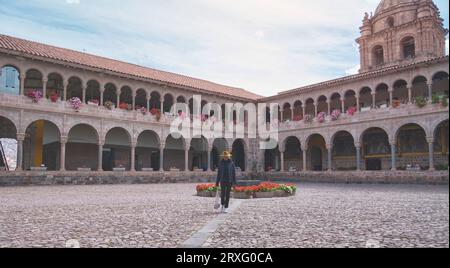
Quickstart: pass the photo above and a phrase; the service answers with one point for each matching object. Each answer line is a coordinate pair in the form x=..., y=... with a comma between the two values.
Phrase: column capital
x=133, y=144
x=100, y=142
x=162, y=145
x=393, y=142
x=20, y=136
x=329, y=147
x=304, y=148
x=430, y=139
x=358, y=145
x=44, y=80
x=63, y=139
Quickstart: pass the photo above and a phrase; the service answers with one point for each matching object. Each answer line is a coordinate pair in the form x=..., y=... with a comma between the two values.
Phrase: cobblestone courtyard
x=166, y=215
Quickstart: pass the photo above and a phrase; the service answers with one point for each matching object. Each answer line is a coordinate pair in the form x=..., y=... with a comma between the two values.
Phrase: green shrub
x=435, y=99
x=444, y=102
x=421, y=101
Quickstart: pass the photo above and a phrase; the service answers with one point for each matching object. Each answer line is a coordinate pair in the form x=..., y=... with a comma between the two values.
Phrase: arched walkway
x=198, y=154
x=219, y=146
x=117, y=151
x=293, y=154
x=317, y=153
x=412, y=147
x=42, y=146
x=147, y=152
x=344, y=151
x=376, y=150
x=174, y=153
x=238, y=153
x=82, y=148
x=441, y=146
x=8, y=145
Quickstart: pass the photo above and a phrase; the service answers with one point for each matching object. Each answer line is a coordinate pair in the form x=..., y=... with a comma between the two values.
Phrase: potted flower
x=265, y=190
x=207, y=190
x=297, y=118
x=143, y=110
x=308, y=118
x=54, y=97
x=93, y=102
x=321, y=117
x=396, y=103
x=75, y=102
x=435, y=99
x=444, y=102
x=335, y=115
x=421, y=102
x=35, y=95
x=123, y=106
x=351, y=111
x=109, y=105
x=283, y=191
x=245, y=192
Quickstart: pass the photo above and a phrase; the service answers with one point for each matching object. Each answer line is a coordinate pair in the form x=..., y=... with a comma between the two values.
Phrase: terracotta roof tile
x=75, y=57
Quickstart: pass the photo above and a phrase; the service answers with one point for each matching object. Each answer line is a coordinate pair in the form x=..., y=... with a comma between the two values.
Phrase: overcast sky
x=265, y=46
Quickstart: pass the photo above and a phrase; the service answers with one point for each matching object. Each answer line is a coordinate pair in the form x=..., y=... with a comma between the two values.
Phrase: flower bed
x=264, y=190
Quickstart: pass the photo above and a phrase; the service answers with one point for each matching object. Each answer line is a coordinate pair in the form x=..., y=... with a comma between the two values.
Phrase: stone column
x=162, y=106
x=409, y=95
x=20, y=138
x=305, y=150
x=22, y=84
x=186, y=159
x=358, y=156
x=62, y=155
x=393, y=156
x=358, y=108
x=282, y=116
x=64, y=95
x=209, y=158
x=44, y=87
x=343, y=106
x=430, y=91
x=431, y=153
x=304, y=110
x=83, y=89
x=134, y=100
x=102, y=90
x=329, y=107
x=330, y=157
x=148, y=103
x=374, y=99
x=118, y=98
x=133, y=157
x=100, y=156
x=282, y=160
x=292, y=113
x=315, y=109
x=161, y=156
x=391, y=98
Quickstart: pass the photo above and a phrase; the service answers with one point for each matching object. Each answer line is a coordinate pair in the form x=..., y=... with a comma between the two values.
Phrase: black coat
x=231, y=178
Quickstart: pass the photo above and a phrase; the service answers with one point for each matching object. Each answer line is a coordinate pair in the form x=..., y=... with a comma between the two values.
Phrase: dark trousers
x=225, y=193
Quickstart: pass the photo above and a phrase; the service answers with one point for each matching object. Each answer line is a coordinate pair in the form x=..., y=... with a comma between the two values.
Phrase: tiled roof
x=75, y=57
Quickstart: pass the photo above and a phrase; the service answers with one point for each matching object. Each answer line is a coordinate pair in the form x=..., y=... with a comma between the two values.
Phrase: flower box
x=206, y=194
x=281, y=193
x=242, y=195
x=264, y=195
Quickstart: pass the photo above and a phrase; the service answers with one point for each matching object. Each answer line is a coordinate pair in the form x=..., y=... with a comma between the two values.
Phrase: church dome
x=389, y=4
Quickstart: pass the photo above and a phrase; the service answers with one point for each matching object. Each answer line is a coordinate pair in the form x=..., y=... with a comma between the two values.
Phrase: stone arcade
x=389, y=123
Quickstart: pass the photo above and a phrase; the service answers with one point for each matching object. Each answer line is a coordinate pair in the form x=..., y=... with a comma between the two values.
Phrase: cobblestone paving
x=101, y=216
x=342, y=216
x=321, y=215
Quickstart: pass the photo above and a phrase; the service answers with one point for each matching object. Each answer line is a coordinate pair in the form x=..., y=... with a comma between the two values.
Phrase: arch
x=365, y=97
x=309, y=107
x=381, y=95
x=110, y=94
x=42, y=145
x=93, y=91
x=33, y=81
x=408, y=47
x=147, y=151
x=117, y=151
x=317, y=152
x=441, y=145
x=141, y=99
x=293, y=154
x=298, y=111
x=8, y=135
x=440, y=84
x=344, y=151
x=82, y=147
x=376, y=149
x=55, y=85
x=335, y=102
x=198, y=153
x=155, y=100
x=10, y=80
x=174, y=153
x=322, y=104
x=168, y=102
x=419, y=87
x=74, y=88
x=272, y=159
x=287, y=113
x=126, y=98
x=400, y=91
x=377, y=55
x=350, y=99
x=181, y=99
x=239, y=153
x=412, y=146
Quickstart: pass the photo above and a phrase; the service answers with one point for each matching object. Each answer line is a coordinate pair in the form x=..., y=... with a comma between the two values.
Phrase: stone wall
x=385, y=177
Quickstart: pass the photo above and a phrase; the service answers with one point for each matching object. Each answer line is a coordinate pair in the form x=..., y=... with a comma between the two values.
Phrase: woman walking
x=226, y=179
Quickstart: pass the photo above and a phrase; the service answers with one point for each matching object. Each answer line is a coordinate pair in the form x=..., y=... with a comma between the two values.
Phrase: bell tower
x=401, y=32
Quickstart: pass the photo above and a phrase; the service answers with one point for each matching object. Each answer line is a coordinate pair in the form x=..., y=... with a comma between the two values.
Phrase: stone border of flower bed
x=264, y=190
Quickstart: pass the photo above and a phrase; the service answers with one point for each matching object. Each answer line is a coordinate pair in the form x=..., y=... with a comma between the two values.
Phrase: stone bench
x=38, y=168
